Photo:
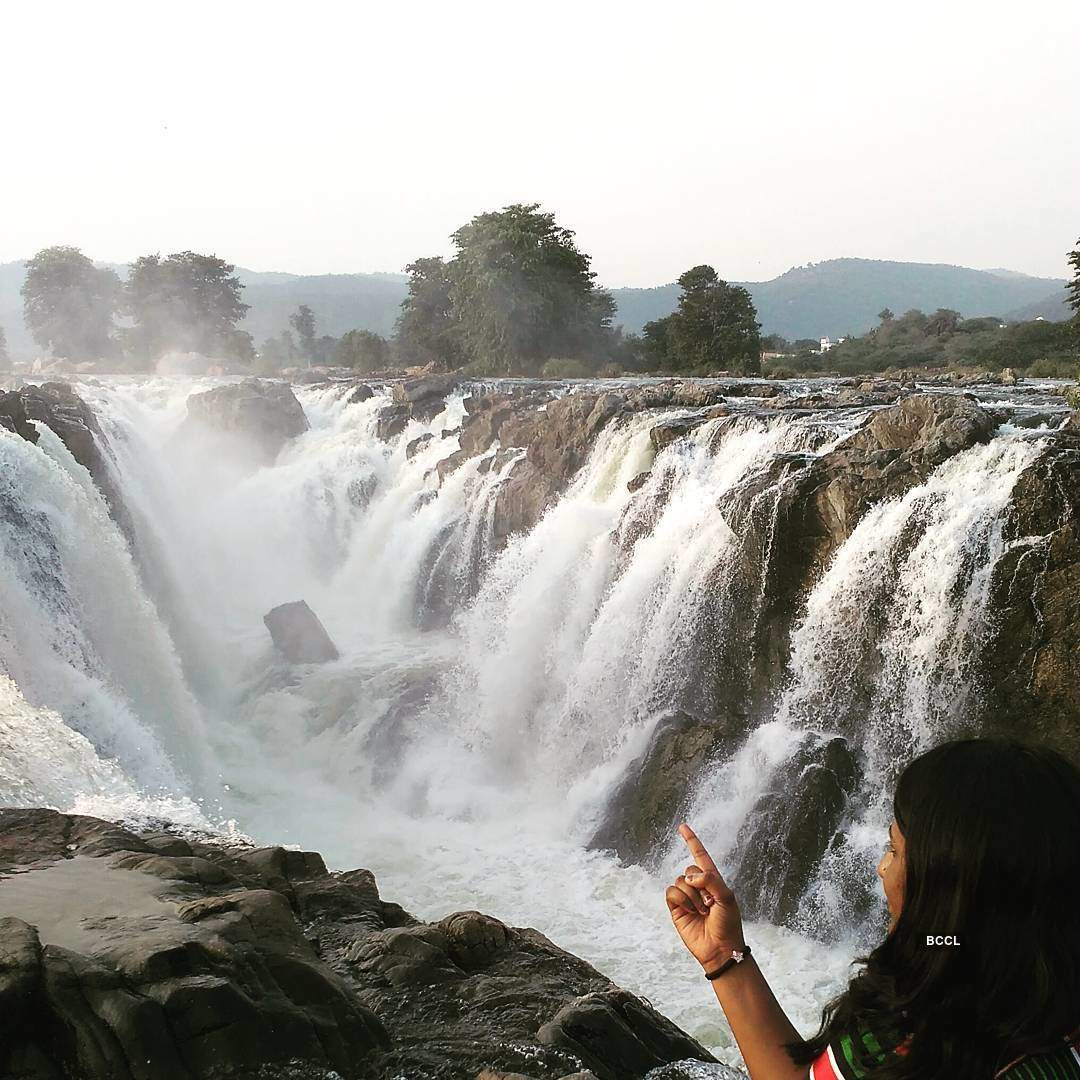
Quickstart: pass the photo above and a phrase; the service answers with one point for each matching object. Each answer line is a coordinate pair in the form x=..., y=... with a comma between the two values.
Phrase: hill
x=843, y=296
x=840, y=296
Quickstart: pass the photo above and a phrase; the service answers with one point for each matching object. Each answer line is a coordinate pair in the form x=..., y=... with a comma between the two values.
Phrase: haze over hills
x=836, y=297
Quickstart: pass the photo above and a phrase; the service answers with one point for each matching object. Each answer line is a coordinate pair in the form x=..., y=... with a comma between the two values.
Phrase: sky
x=755, y=136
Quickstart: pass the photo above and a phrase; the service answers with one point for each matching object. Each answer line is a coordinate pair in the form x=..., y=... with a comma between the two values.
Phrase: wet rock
x=416, y=445
x=1031, y=663
x=432, y=388
x=648, y=802
x=299, y=635
x=275, y=967
x=256, y=416
x=362, y=393
x=786, y=834
x=671, y=430
x=392, y=421
x=59, y=407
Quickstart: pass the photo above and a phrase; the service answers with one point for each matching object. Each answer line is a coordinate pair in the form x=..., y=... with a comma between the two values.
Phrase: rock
x=392, y=421
x=417, y=444
x=255, y=417
x=1008, y=377
x=430, y=388
x=118, y=961
x=362, y=393
x=671, y=430
x=1031, y=662
x=787, y=832
x=299, y=635
x=57, y=406
x=648, y=802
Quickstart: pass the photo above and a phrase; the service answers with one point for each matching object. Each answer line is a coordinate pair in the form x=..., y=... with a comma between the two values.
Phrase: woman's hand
x=703, y=908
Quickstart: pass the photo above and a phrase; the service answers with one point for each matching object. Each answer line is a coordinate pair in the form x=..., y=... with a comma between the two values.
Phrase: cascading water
x=486, y=699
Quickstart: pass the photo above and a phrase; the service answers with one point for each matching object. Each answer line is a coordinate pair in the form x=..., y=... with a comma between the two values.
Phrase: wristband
x=737, y=957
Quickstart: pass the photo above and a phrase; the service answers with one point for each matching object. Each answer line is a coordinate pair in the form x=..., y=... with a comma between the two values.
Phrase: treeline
x=186, y=302
x=517, y=298
x=946, y=340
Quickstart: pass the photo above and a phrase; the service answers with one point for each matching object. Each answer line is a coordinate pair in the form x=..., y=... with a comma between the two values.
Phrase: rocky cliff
x=129, y=956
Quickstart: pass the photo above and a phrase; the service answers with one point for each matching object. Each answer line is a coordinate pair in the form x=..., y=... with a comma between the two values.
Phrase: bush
x=1072, y=396
x=1051, y=368
x=565, y=369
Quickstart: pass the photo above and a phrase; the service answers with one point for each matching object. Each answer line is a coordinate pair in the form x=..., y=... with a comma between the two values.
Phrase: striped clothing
x=838, y=1061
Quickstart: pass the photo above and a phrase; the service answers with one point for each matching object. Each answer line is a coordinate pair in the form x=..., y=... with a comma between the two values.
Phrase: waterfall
x=490, y=695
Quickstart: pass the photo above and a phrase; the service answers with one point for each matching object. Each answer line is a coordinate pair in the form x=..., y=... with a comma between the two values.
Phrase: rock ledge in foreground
x=152, y=957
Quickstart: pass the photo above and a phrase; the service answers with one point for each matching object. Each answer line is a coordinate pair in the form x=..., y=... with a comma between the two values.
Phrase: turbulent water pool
x=466, y=760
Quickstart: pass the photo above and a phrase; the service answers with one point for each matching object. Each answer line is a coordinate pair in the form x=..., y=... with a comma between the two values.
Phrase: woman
x=983, y=852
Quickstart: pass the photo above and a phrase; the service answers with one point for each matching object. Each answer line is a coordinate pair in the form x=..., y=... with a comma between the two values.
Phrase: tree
x=188, y=302
x=521, y=292
x=68, y=304
x=363, y=350
x=1073, y=287
x=303, y=322
x=885, y=315
x=943, y=321
x=277, y=352
x=714, y=326
x=3, y=347
x=426, y=329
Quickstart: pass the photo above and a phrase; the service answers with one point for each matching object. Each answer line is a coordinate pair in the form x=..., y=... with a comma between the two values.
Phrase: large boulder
x=255, y=417
x=299, y=635
x=154, y=956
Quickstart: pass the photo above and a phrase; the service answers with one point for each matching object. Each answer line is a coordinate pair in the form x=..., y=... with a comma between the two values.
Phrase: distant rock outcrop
x=299, y=635
x=257, y=416
x=154, y=957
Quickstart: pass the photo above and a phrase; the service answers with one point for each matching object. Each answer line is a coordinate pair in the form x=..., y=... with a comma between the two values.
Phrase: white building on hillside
x=828, y=343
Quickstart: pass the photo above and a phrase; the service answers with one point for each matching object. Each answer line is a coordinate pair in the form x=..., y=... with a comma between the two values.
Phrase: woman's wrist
x=721, y=953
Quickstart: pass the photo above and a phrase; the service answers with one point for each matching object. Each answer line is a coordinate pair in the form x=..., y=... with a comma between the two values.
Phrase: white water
x=466, y=764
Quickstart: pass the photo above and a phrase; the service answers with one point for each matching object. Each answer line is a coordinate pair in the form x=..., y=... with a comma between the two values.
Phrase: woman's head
x=983, y=884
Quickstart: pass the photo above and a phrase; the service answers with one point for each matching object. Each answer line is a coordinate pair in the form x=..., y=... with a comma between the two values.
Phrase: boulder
x=299, y=635
x=117, y=960
x=256, y=416
x=649, y=801
x=57, y=406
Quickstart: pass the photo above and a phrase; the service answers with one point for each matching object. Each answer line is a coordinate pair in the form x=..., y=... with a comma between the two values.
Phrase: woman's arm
x=707, y=918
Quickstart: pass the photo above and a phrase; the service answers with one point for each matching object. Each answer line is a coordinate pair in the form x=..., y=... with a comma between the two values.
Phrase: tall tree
x=714, y=326
x=302, y=320
x=426, y=329
x=522, y=292
x=188, y=302
x=69, y=303
x=363, y=350
x=1073, y=287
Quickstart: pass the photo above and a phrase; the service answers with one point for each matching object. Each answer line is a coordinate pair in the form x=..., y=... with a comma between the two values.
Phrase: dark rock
x=362, y=393
x=1031, y=663
x=57, y=406
x=299, y=635
x=670, y=430
x=269, y=966
x=256, y=416
x=785, y=835
x=392, y=421
x=638, y=482
x=417, y=444
x=648, y=802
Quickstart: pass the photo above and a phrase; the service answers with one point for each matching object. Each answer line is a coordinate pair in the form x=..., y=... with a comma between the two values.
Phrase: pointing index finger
x=697, y=848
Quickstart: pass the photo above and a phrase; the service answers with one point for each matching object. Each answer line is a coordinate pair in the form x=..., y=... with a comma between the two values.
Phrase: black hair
x=992, y=857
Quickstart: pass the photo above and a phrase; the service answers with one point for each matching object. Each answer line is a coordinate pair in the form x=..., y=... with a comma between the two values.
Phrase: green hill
x=843, y=296
x=837, y=297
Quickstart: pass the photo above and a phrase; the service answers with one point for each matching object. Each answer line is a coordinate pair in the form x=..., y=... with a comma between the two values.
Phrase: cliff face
x=791, y=518
x=152, y=957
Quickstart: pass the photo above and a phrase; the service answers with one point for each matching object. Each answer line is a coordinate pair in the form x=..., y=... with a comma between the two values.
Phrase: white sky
x=755, y=136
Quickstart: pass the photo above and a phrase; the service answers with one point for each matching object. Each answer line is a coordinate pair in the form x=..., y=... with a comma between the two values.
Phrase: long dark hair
x=992, y=851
